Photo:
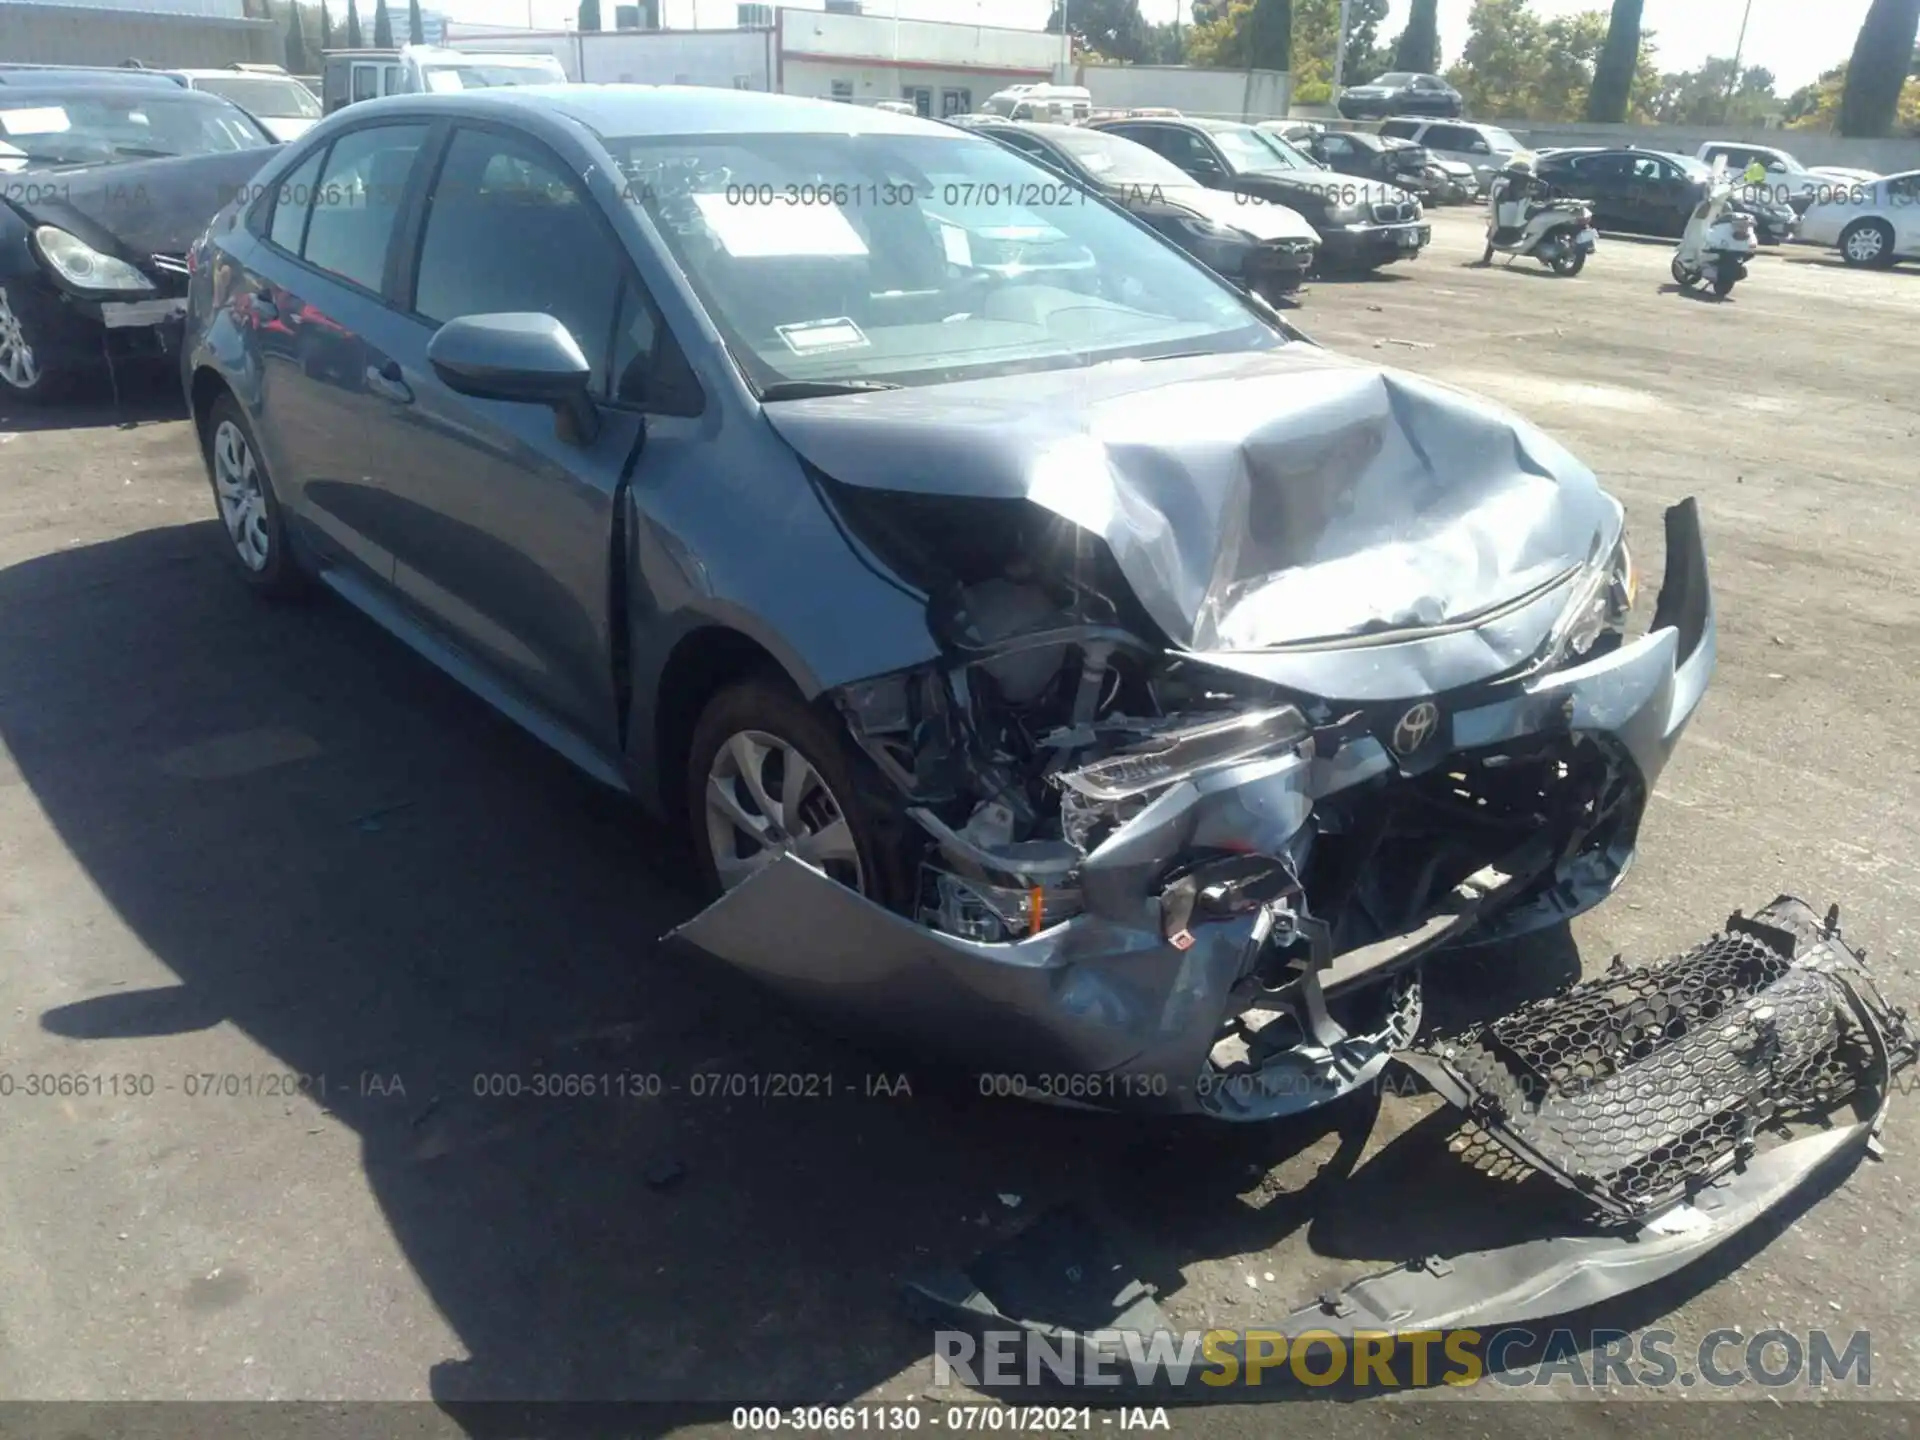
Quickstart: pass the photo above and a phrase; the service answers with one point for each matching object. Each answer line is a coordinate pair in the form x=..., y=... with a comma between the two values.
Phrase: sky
x=1793, y=38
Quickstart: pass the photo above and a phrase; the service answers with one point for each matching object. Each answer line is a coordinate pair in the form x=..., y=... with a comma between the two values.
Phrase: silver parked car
x=1062, y=667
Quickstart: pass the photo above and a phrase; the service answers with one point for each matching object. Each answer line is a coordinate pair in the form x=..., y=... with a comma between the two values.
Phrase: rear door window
x=358, y=199
x=1410, y=130
x=292, y=202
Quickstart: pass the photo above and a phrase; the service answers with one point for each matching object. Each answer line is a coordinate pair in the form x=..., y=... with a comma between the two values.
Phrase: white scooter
x=1555, y=230
x=1718, y=241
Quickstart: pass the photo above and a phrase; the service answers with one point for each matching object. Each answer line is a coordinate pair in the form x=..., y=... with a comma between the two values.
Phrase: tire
x=1723, y=285
x=24, y=374
x=248, y=508
x=743, y=748
x=1683, y=277
x=1569, y=261
x=1867, y=244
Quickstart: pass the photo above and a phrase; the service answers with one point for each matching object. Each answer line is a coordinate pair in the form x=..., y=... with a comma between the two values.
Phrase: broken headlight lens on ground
x=1602, y=600
x=1176, y=755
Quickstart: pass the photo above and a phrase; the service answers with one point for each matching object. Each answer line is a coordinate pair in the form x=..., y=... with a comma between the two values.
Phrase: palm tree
x=1882, y=56
x=1419, y=46
x=1619, y=59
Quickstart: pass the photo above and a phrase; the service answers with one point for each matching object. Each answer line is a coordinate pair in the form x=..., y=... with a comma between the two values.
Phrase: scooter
x=1717, y=243
x=1555, y=230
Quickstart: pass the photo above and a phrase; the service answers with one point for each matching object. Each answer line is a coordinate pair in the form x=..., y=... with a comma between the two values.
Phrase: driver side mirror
x=526, y=358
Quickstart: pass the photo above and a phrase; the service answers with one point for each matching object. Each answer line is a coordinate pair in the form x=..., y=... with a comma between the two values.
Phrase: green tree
x=326, y=27
x=1270, y=45
x=1366, y=56
x=1515, y=66
x=416, y=28
x=296, y=42
x=1817, y=106
x=354, y=42
x=1418, y=48
x=1113, y=28
x=382, y=25
x=1619, y=59
x=1715, y=95
x=1219, y=35
x=1882, y=62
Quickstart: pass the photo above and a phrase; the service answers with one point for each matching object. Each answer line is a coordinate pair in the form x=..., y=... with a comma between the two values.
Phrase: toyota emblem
x=1416, y=727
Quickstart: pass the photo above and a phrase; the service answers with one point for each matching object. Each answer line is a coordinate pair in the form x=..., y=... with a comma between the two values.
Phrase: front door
x=501, y=527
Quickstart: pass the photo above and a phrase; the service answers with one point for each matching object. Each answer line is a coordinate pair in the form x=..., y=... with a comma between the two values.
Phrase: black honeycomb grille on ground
x=1642, y=1084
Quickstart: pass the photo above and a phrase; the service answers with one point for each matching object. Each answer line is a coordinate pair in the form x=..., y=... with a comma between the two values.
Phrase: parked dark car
x=1262, y=245
x=1402, y=93
x=1650, y=192
x=104, y=184
x=1005, y=640
x=1371, y=157
x=1362, y=223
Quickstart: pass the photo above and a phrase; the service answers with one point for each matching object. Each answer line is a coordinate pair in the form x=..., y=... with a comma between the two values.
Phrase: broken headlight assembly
x=1597, y=612
x=1177, y=755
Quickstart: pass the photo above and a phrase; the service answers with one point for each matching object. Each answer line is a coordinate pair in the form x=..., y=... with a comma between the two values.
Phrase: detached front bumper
x=1127, y=1004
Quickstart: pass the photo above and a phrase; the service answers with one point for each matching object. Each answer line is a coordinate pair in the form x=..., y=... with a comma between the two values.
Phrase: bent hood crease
x=1250, y=500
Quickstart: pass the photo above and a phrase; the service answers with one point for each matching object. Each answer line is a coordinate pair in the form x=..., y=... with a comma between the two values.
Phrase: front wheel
x=768, y=775
x=1684, y=275
x=1867, y=243
x=23, y=369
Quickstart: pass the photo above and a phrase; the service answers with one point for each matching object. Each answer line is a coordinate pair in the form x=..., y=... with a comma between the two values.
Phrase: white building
x=939, y=67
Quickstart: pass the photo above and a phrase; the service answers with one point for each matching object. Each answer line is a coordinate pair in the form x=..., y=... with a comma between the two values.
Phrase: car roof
x=670, y=110
x=63, y=77
x=109, y=85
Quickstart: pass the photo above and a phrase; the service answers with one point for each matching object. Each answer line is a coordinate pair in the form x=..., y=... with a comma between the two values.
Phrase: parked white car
x=1485, y=149
x=1788, y=181
x=285, y=108
x=1871, y=224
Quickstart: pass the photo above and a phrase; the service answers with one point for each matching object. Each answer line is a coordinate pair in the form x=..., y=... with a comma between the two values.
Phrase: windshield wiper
x=813, y=389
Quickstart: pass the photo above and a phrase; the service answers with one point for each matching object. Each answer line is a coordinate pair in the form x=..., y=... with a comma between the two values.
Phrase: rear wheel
x=249, y=508
x=1867, y=243
x=1569, y=260
x=1723, y=284
x=768, y=775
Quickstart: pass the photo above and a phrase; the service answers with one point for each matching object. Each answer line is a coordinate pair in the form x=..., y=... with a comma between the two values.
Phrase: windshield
x=480, y=75
x=263, y=95
x=95, y=129
x=840, y=261
x=1499, y=139
x=1398, y=78
x=1116, y=160
x=1255, y=152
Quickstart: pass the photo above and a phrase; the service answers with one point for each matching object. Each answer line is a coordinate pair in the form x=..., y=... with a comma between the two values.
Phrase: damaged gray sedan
x=1060, y=664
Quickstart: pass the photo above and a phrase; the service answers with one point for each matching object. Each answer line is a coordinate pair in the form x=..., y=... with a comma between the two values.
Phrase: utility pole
x=1739, y=49
x=1340, y=50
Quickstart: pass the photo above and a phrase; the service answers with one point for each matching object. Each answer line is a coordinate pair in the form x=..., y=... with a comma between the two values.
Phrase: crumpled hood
x=143, y=208
x=1262, y=219
x=1251, y=500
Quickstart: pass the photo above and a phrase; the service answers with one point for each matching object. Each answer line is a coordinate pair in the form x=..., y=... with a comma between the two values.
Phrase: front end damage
x=1147, y=879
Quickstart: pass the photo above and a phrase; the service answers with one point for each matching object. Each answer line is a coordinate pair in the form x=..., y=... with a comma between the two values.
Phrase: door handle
x=384, y=380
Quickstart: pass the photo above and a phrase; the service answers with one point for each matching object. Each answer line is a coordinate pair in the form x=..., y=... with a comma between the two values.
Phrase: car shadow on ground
x=369, y=874
x=134, y=394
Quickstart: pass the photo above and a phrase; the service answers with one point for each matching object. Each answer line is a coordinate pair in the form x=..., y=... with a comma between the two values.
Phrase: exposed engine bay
x=1054, y=734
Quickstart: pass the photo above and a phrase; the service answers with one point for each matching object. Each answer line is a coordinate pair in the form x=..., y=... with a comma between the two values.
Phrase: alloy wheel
x=1865, y=244
x=18, y=367
x=243, y=499
x=765, y=799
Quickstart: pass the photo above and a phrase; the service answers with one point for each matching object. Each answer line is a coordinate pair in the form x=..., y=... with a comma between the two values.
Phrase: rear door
x=1603, y=179
x=502, y=530
x=312, y=293
x=1903, y=211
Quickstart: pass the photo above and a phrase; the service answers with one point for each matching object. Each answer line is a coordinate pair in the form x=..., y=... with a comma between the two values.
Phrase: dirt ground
x=248, y=842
